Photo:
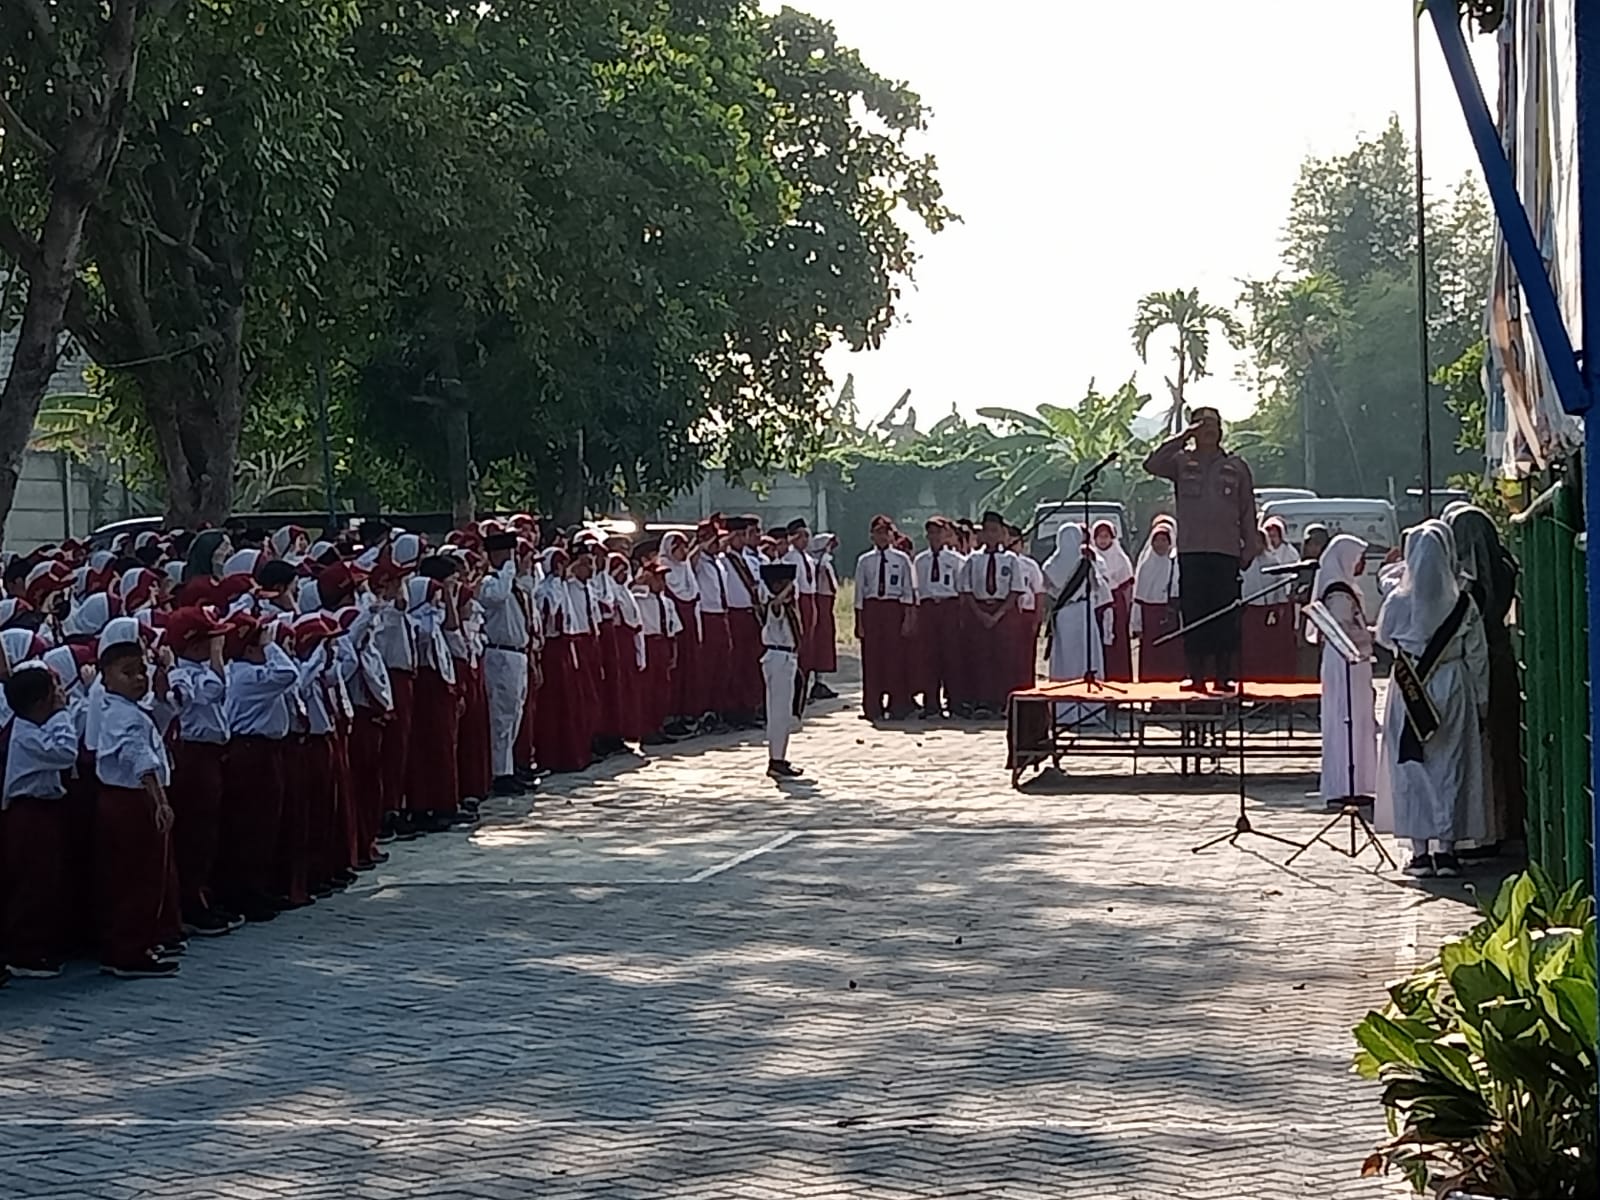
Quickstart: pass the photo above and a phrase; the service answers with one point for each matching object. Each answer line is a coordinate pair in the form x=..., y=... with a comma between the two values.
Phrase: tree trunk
x=458, y=448
x=1179, y=416
x=78, y=168
x=573, y=497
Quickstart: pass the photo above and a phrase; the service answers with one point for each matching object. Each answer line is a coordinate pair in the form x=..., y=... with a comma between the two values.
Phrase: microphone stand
x=1085, y=491
x=1241, y=823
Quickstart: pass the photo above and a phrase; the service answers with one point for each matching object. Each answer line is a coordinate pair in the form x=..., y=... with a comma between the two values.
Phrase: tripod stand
x=1241, y=823
x=1362, y=834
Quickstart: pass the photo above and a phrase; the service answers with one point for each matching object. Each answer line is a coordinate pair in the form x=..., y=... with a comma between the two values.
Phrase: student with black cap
x=780, y=663
x=507, y=627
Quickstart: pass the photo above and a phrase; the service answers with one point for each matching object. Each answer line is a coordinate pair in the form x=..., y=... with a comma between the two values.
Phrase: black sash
x=1411, y=678
x=1066, y=597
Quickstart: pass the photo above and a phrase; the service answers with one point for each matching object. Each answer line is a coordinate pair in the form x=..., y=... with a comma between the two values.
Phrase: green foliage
x=1041, y=456
x=1333, y=340
x=1487, y=1054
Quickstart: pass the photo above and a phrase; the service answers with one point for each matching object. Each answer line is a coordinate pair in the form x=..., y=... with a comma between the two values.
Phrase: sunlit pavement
x=672, y=978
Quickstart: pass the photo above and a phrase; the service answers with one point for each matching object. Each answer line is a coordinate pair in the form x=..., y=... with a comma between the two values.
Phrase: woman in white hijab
x=1118, y=571
x=677, y=556
x=1079, y=627
x=1432, y=772
x=1155, y=604
x=1269, y=647
x=1349, y=720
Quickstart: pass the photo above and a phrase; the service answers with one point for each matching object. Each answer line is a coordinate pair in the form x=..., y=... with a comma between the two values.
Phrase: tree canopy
x=572, y=251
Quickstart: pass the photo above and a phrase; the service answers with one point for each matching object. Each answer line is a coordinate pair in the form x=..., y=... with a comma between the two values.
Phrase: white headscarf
x=553, y=597
x=1338, y=565
x=1427, y=592
x=1156, y=579
x=1060, y=566
x=89, y=618
x=118, y=631
x=681, y=581
x=1114, y=560
x=1256, y=579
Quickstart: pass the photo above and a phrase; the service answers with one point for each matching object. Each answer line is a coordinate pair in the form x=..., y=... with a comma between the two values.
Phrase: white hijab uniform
x=681, y=581
x=1114, y=559
x=1349, y=723
x=1442, y=799
x=1256, y=579
x=1078, y=641
x=1155, y=579
x=427, y=621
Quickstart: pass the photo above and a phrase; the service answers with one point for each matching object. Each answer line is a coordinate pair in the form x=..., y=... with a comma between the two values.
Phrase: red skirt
x=1119, y=655
x=367, y=739
x=431, y=781
x=885, y=664
x=1160, y=663
x=255, y=782
x=688, y=692
x=564, y=730
x=825, y=641
x=808, y=631
x=655, y=685
x=312, y=791
x=397, y=739
x=472, y=750
x=747, y=690
x=632, y=722
x=716, y=663
x=196, y=798
x=1269, y=646
x=131, y=866
x=35, y=899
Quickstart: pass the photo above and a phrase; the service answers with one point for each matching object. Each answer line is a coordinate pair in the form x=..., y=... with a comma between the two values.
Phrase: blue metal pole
x=1586, y=15
x=1538, y=297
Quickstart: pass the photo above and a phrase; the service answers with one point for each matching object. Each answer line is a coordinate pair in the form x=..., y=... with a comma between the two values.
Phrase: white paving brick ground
x=672, y=979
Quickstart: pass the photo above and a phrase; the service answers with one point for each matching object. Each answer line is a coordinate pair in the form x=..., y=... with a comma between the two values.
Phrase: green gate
x=1552, y=623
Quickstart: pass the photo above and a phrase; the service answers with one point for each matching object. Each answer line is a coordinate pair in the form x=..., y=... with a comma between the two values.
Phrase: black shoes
x=507, y=785
x=781, y=768
x=210, y=924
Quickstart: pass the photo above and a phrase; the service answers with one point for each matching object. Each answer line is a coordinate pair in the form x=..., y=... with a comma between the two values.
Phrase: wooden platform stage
x=1161, y=720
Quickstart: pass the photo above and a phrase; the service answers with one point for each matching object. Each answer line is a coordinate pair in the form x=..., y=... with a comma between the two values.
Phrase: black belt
x=508, y=649
x=785, y=649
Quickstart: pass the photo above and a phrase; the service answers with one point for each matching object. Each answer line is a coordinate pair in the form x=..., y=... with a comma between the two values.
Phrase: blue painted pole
x=1538, y=296
x=1586, y=14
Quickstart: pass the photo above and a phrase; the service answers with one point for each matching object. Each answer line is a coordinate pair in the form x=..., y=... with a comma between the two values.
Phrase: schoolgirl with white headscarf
x=1349, y=721
x=1079, y=622
x=1432, y=770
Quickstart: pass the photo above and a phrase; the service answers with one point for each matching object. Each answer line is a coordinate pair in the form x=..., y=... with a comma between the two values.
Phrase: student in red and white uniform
x=716, y=638
x=1269, y=650
x=529, y=570
x=938, y=571
x=745, y=687
x=825, y=641
x=198, y=689
x=661, y=626
x=805, y=598
x=1118, y=572
x=565, y=724
x=677, y=559
x=432, y=785
x=1033, y=605
x=35, y=827
x=885, y=624
x=389, y=565
x=507, y=622
x=1154, y=613
x=991, y=583
x=626, y=632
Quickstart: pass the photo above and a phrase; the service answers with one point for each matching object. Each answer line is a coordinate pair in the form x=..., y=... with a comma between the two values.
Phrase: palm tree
x=1191, y=320
x=1295, y=323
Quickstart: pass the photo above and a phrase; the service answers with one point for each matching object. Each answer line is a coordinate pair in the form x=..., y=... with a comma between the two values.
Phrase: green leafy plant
x=1487, y=1054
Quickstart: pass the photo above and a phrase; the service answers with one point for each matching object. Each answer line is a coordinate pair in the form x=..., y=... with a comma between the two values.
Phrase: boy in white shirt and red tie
x=991, y=587
x=885, y=623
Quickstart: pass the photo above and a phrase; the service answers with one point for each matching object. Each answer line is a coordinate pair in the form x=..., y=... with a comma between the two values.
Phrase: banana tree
x=1190, y=319
x=1043, y=455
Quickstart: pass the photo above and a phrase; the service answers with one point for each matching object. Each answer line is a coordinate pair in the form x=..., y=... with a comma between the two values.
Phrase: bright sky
x=1102, y=150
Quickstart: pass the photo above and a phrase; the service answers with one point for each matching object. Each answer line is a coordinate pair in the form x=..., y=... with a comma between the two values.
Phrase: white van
x=1373, y=521
x=1266, y=495
x=1051, y=515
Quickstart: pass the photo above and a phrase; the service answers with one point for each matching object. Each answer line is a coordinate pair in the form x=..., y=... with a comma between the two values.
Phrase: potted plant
x=1487, y=1055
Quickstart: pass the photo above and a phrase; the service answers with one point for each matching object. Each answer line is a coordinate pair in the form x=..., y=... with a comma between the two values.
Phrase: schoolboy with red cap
x=197, y=688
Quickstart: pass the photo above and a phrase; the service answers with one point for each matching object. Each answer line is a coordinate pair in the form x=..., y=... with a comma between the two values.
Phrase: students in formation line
x=212, y=728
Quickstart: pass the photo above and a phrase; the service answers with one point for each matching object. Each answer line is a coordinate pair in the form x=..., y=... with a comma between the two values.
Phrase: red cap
x=185, y=626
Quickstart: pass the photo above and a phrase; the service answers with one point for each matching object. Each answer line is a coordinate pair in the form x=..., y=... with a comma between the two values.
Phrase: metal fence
x=1552, y=625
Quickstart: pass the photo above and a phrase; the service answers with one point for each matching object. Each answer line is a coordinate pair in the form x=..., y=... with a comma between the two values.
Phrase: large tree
x=66, y=79
x=1190, y=320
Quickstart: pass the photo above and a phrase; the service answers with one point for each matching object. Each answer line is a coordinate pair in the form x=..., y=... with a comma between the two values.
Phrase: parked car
x=1051, y=515
x=1373, y=521
x=1266, y=495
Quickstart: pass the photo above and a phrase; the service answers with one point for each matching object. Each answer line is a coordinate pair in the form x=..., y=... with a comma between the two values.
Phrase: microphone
x=1103, y=463
x=1308, y=564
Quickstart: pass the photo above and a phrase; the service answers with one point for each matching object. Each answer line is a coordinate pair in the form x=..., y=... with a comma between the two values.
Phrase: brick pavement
x=672, y=979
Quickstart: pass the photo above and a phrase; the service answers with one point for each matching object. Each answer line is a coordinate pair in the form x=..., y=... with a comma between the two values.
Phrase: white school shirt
x=391, y=633
x=580, y=612
x=37, y=757
x=1007, y=575
x=659, y=615
x=776, y=632
x=129, y=746
x=505, y=611
x=258, y=695
x=712, y=577
x=941, y=581
x=739, y=596
x=899, y=577
x=200, y=696
x=1032, y=575
x=370, y=685
x=317, y=679
x=805, y=571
